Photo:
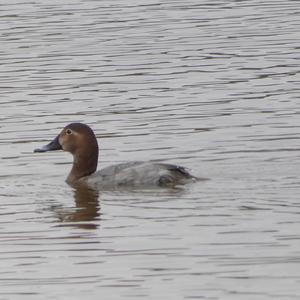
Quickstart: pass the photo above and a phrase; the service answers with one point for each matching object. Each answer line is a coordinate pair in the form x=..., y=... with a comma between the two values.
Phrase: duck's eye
x=69, y=131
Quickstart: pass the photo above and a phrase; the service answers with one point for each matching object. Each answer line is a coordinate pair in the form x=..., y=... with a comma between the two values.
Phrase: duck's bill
x=54, y=145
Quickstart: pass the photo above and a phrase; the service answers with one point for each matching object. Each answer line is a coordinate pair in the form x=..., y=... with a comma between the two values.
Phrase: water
x=211, y=85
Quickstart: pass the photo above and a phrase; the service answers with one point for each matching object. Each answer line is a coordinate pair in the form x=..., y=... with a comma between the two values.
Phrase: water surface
x=211, y=85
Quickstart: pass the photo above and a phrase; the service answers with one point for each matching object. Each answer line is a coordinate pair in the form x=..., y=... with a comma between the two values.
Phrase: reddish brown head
x=80, y=140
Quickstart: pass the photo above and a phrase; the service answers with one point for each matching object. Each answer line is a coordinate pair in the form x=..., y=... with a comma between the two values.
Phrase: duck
x=80, y=140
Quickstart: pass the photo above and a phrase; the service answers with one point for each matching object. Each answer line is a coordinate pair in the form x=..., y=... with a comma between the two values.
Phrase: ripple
x=210, y=85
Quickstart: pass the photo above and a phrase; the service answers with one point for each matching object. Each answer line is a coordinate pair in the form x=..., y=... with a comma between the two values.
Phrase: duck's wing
x=141, y=174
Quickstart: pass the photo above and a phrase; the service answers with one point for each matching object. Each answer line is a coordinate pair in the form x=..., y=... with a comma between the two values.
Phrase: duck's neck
x=84, y=164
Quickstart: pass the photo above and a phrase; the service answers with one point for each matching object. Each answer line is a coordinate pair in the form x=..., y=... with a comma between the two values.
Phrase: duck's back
x=139, y=174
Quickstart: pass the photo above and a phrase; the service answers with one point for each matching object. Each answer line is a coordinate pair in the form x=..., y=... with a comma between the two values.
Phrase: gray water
x=211, y=85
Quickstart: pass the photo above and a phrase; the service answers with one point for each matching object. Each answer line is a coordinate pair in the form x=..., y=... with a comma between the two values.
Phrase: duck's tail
x=176, y=175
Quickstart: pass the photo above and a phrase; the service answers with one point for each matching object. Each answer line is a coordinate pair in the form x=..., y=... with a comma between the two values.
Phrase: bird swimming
x=80, y=140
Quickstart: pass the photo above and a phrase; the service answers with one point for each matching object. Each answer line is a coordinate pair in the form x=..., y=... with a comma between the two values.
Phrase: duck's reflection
x=87, y=209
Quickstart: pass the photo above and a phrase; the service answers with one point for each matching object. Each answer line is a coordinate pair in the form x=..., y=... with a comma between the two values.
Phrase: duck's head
x=80, y=140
